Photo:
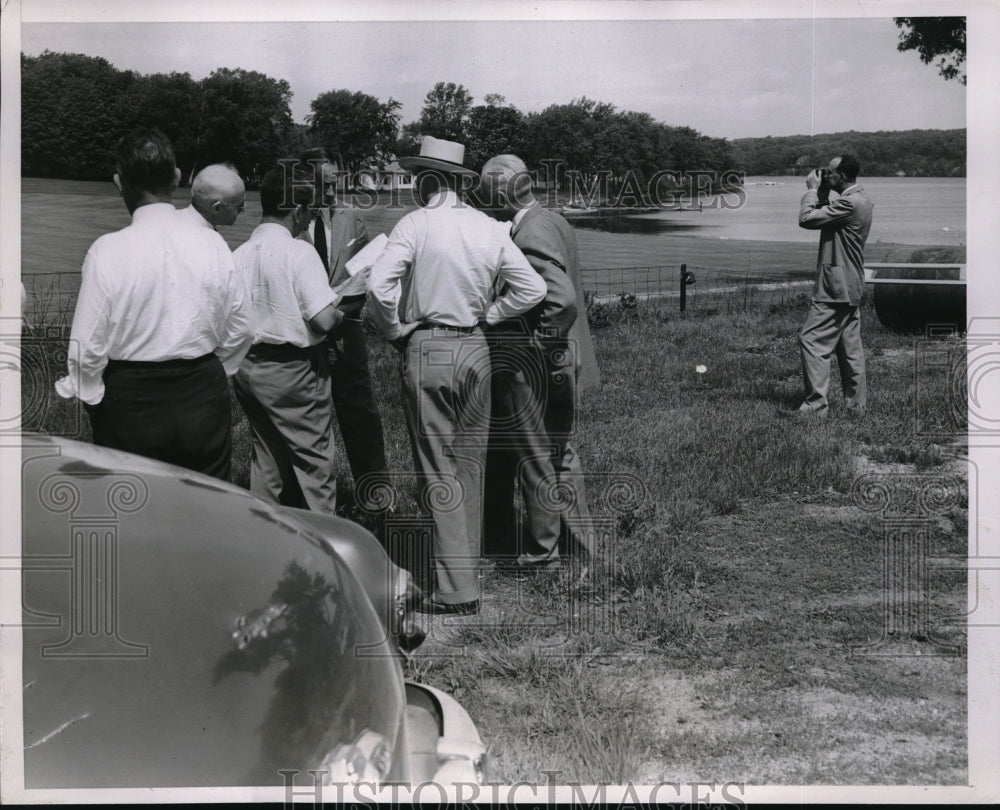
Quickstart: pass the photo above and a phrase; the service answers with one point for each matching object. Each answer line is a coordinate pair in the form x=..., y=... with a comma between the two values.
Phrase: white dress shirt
x=287, y=285
x=441, y=264
x=194, y=217
x=162, y=288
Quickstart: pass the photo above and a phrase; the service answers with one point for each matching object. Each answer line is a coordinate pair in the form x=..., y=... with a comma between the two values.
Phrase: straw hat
x=439, y=154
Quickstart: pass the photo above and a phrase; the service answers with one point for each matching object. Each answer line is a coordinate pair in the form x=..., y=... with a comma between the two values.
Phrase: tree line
x=76, y=107
x=909, y=153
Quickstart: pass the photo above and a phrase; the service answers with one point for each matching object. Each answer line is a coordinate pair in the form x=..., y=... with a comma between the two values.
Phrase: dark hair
x=279, y=193
x=145, y=161
x=849, y=167
x=311, y=155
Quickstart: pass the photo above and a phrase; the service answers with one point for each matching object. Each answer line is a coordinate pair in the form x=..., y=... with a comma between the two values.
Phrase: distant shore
x=85, y=211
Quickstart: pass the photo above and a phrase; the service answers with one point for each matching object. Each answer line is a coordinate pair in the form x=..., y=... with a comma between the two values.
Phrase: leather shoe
x=428, y=605
x=513, y=571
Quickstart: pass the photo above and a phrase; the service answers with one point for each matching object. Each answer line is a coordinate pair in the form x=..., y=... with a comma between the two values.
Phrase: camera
x=824, y=176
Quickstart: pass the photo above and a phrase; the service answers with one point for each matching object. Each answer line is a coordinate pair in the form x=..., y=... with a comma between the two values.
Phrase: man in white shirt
x=218, y=196
x=284, y=382
x=429, y=293
x=161, y=320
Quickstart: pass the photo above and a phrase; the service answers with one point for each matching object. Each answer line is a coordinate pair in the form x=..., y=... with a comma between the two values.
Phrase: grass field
x=735, y=626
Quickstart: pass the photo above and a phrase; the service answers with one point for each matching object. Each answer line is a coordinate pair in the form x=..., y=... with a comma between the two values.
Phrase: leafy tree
x=296, y=141
x=494, y=128
x=356, y=126
x=408, y=142
x=245, y=118
x=934, y=37
x=565, y=133
x=70, y=115
x=172, y=103
x=446, y=111
x=917, y=152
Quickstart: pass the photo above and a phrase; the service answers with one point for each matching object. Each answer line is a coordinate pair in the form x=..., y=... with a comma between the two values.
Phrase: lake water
x=908, y=211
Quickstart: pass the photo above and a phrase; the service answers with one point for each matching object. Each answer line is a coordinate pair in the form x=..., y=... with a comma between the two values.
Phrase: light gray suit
x=834, y=321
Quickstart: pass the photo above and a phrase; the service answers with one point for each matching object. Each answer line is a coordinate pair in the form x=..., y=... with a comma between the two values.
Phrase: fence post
x=683, y=286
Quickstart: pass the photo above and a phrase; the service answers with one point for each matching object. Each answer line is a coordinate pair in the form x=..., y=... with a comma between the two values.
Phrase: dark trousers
x=176, y=411
x=520, y=452
x=532, y=431
x=355, y=408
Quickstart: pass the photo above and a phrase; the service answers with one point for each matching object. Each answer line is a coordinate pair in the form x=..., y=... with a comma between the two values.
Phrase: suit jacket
x=347, y=235
x=843, y=224
x=549, y=243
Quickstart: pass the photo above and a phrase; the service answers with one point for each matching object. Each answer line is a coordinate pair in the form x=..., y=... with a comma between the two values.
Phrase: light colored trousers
x=286, y=397
x=829, y=329
x=446, y=400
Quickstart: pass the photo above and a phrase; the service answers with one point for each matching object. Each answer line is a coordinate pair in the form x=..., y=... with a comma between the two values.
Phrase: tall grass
x=725, y=557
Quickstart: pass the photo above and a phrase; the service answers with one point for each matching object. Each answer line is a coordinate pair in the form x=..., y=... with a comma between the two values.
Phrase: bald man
x=218, y=196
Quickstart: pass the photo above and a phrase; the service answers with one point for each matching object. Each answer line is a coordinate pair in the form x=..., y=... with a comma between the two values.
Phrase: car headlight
x=407, y=596
x=367, y=759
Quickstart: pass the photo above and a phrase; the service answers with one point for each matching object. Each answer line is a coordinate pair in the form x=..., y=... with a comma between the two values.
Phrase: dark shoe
x=513, y=570
x=803, y=413
x=428, y=605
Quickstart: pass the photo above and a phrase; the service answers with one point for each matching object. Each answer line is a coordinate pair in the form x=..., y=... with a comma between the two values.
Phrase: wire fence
x=51, y=297
x=692, y=288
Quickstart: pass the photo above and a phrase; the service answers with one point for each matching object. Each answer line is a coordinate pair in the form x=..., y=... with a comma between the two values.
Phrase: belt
x=176, y=362
x=459, y=330
x=279, y=350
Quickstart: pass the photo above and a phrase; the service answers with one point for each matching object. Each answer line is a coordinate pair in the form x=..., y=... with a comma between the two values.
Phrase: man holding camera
x=834, y=321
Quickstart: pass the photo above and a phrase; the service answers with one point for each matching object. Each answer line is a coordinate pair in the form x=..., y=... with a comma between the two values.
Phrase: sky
x=727, y=78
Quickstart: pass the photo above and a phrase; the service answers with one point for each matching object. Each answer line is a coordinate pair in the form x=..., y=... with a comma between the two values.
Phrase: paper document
x=366, y=257
x=355, y=285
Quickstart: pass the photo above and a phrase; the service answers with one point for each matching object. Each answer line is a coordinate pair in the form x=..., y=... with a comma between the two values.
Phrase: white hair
x=510, y=173
x=215, y=182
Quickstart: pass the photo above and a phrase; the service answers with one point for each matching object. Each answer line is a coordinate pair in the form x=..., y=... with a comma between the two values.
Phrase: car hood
x=179, y=631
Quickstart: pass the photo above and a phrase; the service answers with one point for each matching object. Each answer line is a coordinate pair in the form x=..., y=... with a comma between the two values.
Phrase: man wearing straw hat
x=430, y=293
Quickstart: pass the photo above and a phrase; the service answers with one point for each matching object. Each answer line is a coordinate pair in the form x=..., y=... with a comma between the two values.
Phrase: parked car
x=179, y=631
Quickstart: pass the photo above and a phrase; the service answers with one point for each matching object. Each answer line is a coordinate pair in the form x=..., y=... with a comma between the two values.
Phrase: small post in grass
x=686, y=278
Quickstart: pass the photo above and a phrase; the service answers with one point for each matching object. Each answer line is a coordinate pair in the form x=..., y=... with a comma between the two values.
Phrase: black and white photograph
x=550, y=402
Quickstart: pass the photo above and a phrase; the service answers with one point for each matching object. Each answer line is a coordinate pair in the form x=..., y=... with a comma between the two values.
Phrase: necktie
x=319, y=240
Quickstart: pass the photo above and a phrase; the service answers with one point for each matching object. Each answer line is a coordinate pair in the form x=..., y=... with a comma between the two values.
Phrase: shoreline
x=85, y=217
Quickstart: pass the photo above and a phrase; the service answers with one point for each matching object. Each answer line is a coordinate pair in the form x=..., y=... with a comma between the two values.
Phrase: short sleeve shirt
x=286, y=283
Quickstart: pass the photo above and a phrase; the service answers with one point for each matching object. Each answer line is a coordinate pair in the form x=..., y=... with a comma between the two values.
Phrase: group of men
x=479, y=291
x=492, y=342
